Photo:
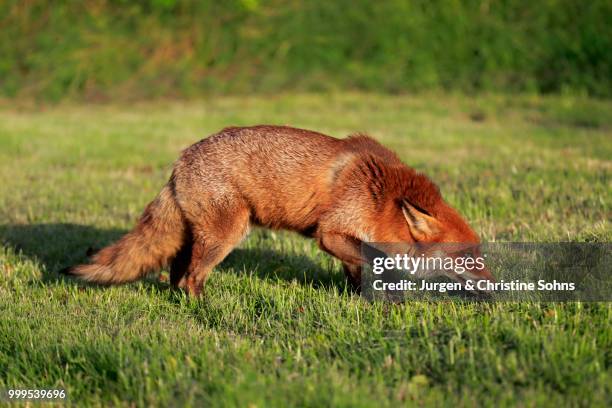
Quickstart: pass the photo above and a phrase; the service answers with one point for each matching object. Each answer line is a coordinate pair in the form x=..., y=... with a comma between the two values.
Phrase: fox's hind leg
x=180, y=263
x=213, y=238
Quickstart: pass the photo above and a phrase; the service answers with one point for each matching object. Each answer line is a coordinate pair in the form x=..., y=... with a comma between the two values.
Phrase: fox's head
x=446, y=234
x=418, y=215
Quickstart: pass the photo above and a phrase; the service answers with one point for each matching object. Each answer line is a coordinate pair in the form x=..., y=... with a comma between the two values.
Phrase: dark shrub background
x=152, y=48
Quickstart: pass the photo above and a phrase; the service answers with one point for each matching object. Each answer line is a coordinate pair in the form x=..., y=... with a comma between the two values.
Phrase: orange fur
x=339, y=191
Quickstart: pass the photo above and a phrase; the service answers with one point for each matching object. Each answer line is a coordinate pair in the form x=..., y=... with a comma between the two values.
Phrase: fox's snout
x=481, y=280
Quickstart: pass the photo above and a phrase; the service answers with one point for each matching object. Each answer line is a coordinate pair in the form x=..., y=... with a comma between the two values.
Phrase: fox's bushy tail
x=156, y=238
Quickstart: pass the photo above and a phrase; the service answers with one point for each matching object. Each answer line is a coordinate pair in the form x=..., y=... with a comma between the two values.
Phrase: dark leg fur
x=353, y=276
x=347, y=249
x=180, y=263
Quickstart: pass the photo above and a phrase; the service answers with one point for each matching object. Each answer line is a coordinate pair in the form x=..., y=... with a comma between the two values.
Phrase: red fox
x=341, y=192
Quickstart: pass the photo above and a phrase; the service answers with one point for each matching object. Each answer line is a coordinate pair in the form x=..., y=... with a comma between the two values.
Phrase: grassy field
x=277, y=326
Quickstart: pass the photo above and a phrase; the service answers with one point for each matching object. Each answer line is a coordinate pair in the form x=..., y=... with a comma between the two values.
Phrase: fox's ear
x=421, y=224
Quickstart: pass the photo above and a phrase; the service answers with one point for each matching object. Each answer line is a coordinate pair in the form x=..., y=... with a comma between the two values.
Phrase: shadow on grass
x=277, y=266
x=60, y=245
x=57, y=245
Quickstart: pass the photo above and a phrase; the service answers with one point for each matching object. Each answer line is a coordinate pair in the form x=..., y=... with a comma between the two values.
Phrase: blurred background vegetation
x=135, y=49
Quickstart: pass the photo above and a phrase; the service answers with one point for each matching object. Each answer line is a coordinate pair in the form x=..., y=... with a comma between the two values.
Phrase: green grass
x=276, y=326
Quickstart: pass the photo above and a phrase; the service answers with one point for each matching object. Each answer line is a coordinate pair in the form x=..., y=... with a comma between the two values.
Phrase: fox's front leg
x=353, y=275
x=348, y=250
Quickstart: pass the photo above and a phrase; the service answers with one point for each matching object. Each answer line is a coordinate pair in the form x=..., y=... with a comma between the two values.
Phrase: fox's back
x=282, y=173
